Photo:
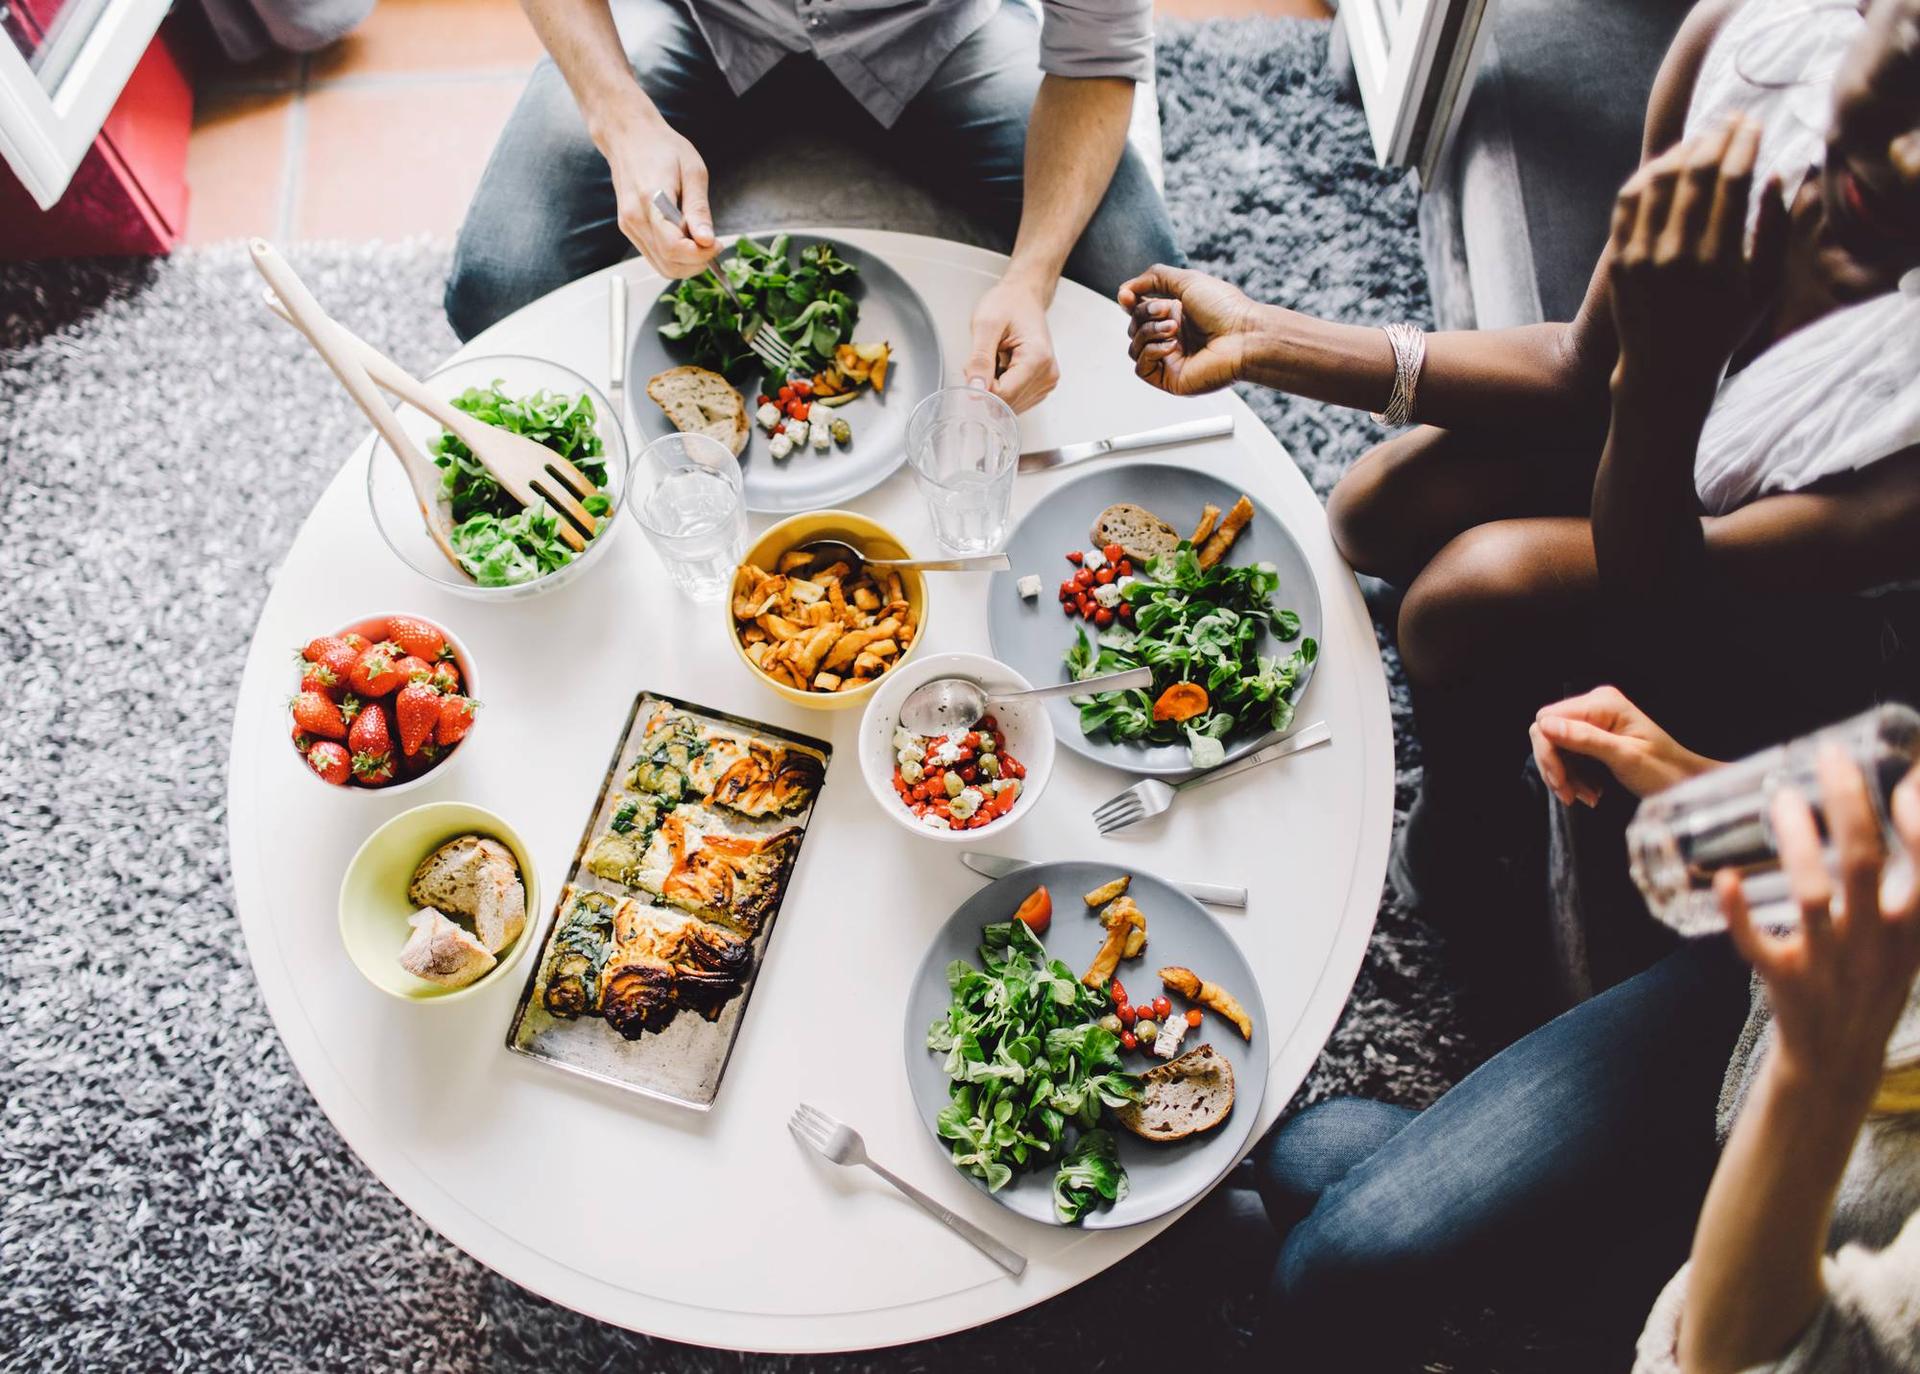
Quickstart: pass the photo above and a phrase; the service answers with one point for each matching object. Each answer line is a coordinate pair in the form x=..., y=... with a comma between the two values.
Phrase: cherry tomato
x=1126, y=610
x=1127, y=1041
x=971, y=740
x=1193, y=1016
x=989, y=722
x=1087, y=606
x=1104, y=576
x=799, y=410
x=1161, y=1006
x=1103, y=617
x=1126, y=567
x=1083, y=578
x=969, y=774
x=1119, y=991
x=1075, y=557
x=1017, y=768
x=1071, y=609
x=803, y=388
x=785, y=394
x=1113, y=553
x=1069, y=588
x=763, y=399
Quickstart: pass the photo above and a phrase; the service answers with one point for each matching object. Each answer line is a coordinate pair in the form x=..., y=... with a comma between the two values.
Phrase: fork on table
x=1150, y=796
x=760, y=336
x=842, y=1145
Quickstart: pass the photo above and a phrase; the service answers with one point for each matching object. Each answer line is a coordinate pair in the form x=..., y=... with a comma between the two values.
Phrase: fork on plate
x=760, y=336
x=842, y=1144
x=1150, y=796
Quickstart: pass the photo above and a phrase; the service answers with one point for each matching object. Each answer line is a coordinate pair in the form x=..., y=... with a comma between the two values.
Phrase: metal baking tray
x=684, y=1062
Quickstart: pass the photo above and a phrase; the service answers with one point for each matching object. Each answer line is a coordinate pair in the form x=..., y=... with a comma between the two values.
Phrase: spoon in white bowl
x=957, y=703
x=826, y=552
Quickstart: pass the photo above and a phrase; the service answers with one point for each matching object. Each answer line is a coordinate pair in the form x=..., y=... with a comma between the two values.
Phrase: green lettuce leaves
x=806, y=301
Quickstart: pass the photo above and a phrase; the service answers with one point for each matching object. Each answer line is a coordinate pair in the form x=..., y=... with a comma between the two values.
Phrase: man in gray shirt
x=1020, y=118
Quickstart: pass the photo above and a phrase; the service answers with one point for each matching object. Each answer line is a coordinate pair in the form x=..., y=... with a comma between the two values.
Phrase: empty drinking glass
x=963, y=445
x=686, y=496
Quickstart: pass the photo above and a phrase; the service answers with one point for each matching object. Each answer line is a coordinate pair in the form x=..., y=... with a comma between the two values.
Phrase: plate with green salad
x=820, y=293
x=1017, y=1071
x=1233, y=645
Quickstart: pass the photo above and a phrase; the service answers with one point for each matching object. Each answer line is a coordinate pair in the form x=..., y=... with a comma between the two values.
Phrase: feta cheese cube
x=1172, y=1031
x=1093, y=560
x=798, y=432
x=1029, y=587
x=822, y=435
x=780, y=447
x=1107, y=594
x=947, y=753
x=768, y=415
x=902, y=737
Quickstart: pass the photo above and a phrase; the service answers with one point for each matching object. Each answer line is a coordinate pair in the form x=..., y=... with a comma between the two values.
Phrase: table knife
x=1000, y=866
x=1046, y=459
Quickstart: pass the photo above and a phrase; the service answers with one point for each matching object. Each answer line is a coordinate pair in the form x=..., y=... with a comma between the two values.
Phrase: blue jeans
x=1563, y=1177
x=544, y=212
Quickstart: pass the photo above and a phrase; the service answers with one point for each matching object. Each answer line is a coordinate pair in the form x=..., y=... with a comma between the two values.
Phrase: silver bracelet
x=1409, y=355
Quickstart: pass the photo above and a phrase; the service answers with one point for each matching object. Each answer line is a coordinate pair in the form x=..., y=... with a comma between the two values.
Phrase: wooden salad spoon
x=527, y=470
x=298, y=308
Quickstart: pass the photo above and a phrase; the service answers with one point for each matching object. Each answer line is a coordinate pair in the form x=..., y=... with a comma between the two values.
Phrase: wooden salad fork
x=842, y=1144
x=527, y=470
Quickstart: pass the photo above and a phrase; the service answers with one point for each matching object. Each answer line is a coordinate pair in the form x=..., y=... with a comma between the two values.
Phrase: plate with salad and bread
x=1171, y=568
x=864, y=354
x=1087, y=1045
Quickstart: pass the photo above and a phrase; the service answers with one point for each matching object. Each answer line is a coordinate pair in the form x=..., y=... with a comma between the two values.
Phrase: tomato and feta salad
x=964, y=780
x=1093, y=590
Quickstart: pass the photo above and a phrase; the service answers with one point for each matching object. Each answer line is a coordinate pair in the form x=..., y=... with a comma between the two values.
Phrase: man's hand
x=1606, y=728
x=1012, y=347
x=1685, y=291
x=646, y=154
x=1189, y=331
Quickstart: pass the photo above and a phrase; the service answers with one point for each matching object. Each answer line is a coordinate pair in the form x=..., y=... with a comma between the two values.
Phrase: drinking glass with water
x=1681, y=837
x=963, y=445
x=687, y=497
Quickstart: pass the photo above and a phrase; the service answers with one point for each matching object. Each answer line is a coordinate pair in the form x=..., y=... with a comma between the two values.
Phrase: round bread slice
x=700, y=401
x=1137, y=530
x=1183, y=1097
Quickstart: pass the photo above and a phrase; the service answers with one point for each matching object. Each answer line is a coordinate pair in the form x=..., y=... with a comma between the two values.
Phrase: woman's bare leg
x=1406, y=500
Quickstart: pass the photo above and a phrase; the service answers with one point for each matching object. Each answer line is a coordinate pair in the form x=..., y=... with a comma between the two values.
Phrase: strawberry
x=302, y=741
x=416, y=636
x=374, y=673
x=415, y=668
x=456, y=718
x=354, y=641
x=416, y=764
x=330, y=762
x=446, y=676
x=334, y=652
x=315, y=714
x=372, y=770
x=317, y=677
x=417, y=712
x=369, y=734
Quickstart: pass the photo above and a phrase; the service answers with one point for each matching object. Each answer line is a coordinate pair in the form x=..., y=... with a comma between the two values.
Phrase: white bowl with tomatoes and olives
x=967, y=785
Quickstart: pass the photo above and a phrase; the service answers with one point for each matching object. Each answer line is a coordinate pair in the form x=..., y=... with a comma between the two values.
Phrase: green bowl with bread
x=436, y=904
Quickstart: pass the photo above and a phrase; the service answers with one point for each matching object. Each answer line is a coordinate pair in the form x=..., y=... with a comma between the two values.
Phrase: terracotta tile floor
x=385, y=133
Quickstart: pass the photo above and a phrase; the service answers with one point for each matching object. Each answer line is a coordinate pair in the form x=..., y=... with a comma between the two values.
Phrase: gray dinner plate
x=1160, y=1177
x=1032, y=637
x=890, y=311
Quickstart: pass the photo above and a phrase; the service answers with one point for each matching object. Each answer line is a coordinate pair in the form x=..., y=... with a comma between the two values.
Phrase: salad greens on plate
x=501, y=543
x=806, y=301
x=1026, y=1061
x=1197, y=625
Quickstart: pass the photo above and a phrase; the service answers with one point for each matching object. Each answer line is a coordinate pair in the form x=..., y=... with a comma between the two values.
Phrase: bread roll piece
x=441, y=952
x=1182, y=1097
x=1138, y=531
x=475, y=878
x=700, y=401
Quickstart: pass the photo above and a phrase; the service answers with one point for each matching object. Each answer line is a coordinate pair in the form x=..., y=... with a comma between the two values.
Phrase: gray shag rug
x=170, y=1196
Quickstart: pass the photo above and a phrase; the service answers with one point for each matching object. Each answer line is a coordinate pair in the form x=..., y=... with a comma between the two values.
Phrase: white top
x=1844, y=391
x=717, y=1228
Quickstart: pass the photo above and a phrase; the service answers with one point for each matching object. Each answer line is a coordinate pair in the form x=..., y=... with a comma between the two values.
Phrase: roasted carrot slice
x=1182, y=701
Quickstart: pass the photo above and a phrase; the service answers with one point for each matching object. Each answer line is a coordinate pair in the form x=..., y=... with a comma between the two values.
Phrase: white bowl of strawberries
x=383, y=703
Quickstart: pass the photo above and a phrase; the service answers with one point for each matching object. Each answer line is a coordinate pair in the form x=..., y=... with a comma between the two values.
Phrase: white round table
x=718, y=1228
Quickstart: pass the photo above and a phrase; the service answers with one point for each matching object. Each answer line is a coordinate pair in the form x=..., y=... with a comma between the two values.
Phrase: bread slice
x=699, y=401
x=1183, y=1097
x=1138, y=531
x=476, y=878
x=440, y=952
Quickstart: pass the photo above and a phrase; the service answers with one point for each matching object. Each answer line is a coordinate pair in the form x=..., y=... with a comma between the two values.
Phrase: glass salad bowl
x=397, y=514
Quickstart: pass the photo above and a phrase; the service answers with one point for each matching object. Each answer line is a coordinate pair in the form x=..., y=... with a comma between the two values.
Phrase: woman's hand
x=1839, y=981
x=1189, y=331
x=1606, y=728
x=1685, y=290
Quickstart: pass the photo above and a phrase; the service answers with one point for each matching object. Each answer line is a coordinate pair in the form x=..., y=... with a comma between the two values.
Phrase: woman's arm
x=1194, y=333
x=1837, y=986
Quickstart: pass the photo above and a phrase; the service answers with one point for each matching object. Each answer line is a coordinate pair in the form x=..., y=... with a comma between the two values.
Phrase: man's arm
x=643, y=152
